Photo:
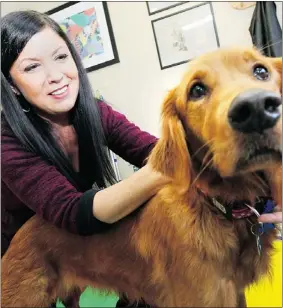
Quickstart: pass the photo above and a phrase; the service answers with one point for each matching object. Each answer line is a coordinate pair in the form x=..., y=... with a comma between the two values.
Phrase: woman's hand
x=275, y=217
x=119, y=200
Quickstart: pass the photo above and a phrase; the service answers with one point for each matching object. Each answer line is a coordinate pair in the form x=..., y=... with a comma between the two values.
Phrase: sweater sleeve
x=125, y=138
x=42, y=188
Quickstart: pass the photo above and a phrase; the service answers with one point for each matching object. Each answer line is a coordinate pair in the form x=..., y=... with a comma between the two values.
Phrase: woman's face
x=46, y=74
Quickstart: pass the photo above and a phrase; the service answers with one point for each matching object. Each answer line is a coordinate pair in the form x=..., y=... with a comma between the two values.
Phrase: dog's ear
x=277, y=64
x=171, y=156
x=274, y=178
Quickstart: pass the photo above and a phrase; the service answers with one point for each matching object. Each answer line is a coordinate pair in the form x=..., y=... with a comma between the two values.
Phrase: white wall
x=136, y=86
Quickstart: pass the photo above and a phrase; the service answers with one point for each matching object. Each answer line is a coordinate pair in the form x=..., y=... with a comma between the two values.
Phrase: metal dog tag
x=257, y=231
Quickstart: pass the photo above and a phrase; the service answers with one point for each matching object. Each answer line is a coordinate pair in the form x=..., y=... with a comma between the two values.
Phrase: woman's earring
x=16, y=91
x=26, y=110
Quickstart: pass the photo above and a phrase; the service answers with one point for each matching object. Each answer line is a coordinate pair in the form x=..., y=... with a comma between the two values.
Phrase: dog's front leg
x=72, y=300
x=241, y=300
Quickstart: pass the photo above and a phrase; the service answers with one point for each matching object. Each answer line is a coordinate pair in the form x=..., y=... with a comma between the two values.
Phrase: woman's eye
x=62, y=57
x=31, y=67
x=197, y=91
x=260, y=72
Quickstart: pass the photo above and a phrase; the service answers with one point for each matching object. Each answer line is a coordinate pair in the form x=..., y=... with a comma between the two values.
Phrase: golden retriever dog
x=192, y=244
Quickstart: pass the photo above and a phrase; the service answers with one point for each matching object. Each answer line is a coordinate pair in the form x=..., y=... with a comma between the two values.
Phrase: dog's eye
x=197, y=91
x=261, y=72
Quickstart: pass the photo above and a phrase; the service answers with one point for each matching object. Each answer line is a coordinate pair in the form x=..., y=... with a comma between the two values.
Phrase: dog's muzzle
x=254, y=111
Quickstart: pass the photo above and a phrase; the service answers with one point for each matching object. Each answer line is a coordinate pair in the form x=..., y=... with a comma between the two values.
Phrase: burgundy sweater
x=30, y=185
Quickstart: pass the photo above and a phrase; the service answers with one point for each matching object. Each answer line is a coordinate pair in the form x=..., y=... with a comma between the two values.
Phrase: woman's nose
x=54, y=76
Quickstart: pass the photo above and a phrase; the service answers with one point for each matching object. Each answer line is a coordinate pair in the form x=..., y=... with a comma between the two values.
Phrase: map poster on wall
x=88, y=26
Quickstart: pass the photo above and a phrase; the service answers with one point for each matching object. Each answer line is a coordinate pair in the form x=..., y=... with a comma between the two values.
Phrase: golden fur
x=177, y=251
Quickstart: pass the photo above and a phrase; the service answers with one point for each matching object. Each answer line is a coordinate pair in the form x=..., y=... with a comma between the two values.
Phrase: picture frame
x=174, y=41
x=88, y=26
x=155, y=7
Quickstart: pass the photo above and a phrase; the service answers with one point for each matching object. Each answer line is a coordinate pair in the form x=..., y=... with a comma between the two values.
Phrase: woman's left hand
x=275, y=217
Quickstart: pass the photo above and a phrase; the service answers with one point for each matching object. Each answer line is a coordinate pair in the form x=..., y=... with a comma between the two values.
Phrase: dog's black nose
x=254, y=111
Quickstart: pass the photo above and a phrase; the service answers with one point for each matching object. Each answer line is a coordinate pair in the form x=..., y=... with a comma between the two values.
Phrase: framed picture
x=184, y=35
x=88, y=26
x=158, y=6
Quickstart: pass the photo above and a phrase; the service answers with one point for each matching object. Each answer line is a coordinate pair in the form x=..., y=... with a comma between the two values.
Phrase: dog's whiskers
x=200, y=148
x=269, y=45
x=208, y=154
x=202, y=170
x=259, y=183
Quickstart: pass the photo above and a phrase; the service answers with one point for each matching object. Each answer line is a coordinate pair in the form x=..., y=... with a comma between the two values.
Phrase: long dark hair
x=34, y=132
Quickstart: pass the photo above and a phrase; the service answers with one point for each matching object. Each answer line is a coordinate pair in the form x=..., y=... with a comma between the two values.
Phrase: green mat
x=93, y=298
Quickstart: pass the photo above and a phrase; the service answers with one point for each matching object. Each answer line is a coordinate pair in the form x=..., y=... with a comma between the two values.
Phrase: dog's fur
x=178, y=250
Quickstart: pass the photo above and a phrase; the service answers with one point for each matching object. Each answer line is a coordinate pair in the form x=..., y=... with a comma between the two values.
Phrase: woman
x=55, y=137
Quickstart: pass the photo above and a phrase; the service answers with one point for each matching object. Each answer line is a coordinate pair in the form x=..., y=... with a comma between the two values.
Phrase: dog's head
x=225, y=115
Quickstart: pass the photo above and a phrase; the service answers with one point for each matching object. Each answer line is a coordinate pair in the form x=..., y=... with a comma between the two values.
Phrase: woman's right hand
x=119, y=200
